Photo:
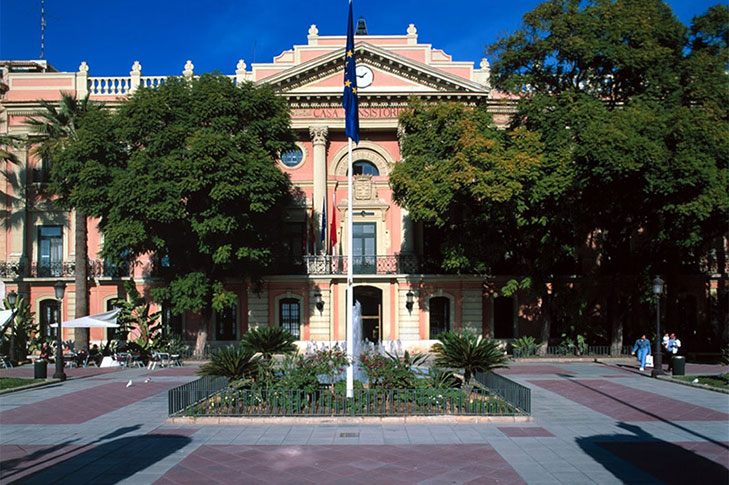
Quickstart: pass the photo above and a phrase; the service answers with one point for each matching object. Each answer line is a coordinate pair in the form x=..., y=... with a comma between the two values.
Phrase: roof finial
x=361, y=27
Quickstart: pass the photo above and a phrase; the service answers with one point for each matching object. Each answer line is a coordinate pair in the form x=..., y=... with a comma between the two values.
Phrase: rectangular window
x=50, y=251
x=226, y=323
x=290, y=315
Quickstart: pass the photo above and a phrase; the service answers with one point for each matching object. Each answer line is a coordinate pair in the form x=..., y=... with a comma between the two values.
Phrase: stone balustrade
x=126, y=85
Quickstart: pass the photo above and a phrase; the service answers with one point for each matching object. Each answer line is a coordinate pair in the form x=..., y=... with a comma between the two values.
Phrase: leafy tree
x=78, y=155
x=199, y=188
x=473, y=354
x=636, y=107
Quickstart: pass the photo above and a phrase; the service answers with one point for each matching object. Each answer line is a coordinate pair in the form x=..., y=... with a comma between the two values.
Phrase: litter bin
x=679, y=365
x=40, y=369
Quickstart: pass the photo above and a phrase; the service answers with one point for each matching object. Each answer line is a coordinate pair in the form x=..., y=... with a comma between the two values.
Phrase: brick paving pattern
x=26, y=371
x=626, y=403
x=81, y=406
x=366, y=464
x=50, y=435
x=525, y=432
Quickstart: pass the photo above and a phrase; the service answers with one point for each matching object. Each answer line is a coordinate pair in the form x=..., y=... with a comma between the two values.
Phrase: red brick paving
x=18, y=461
x=532, y=369
x=342, y=464
x=26, y=371
x=81, y=406
x=680, y=463
x=525, y=432
x=627, y=404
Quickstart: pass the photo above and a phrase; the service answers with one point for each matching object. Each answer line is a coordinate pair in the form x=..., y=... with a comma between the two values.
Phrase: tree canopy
x=199, y=187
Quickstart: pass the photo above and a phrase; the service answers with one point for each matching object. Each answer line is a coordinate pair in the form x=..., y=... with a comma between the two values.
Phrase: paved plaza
x=592, y=423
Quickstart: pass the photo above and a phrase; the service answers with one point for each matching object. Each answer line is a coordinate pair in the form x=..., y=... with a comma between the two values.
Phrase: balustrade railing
x=96, y=269
x=112, y=85
x=390, y=264
x=152, y=81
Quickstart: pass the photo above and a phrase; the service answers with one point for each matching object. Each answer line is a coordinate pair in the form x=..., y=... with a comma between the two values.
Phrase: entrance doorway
x=370, y=300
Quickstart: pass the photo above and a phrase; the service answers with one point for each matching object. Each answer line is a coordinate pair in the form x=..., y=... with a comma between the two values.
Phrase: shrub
x=269, y=341
x=438, y=378
x=234, y=362
x=524, y=346
x=463, y=350
x=385, y=372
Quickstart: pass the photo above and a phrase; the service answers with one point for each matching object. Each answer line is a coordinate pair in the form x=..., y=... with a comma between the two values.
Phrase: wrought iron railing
x=520, y=397
x=182, y=397
x=365, y=402
x=389, y=264
x=96, y=268
x=562, y=351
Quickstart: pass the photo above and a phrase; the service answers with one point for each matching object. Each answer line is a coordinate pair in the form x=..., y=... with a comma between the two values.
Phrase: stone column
x=319, y=139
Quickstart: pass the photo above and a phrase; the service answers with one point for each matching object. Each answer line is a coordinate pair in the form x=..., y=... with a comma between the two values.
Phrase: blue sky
x=214, y=34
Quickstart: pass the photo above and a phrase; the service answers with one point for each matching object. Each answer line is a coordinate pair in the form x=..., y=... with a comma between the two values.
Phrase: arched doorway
x=370, y=299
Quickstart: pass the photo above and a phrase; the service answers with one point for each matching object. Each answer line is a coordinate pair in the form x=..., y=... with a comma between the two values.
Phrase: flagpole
x=350, y=281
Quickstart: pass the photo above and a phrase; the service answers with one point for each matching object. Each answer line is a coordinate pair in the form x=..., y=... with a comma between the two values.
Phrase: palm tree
x=269, y=341
x=463, y=350
x=53, y=128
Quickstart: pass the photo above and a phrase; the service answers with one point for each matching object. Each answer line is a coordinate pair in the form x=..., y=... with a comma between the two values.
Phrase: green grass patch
x=11, y=382
x=721, y=382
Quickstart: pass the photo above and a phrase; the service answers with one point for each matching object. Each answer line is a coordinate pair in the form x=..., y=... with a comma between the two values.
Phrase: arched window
x=50, y=312
x=290, y=315
x=363, y=167
x=440, y=316
x=226, y=324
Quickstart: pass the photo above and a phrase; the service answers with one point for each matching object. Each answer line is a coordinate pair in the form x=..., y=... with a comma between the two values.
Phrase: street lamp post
x=60, y=289
x=12, y=299
x=658, y=359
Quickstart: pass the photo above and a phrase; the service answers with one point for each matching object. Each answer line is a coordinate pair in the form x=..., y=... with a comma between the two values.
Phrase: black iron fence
x=520, y=397
x=365, y=402
x=563, y=351
x=187, y=395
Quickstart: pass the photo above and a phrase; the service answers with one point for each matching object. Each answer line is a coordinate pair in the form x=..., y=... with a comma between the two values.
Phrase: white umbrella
x=105, y=319
x=5, y=316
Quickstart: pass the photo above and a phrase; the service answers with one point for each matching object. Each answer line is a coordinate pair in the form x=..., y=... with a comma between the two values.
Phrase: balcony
x=64, y=269
x=375, y=265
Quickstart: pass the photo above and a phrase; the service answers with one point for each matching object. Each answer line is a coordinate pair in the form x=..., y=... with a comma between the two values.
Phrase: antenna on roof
x=361, y=27
x=43, y=26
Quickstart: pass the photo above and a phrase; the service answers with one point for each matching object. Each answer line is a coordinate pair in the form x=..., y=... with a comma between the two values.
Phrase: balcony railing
x=390, y=264
x=96, y=269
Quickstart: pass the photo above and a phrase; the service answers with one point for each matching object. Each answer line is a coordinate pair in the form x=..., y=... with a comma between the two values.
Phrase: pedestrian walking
x=643, y=348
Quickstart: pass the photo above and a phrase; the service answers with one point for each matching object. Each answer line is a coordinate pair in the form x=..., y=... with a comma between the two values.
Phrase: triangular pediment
x=392, y=74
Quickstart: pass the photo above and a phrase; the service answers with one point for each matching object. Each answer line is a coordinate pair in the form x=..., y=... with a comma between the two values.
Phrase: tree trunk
x=615, y=314
x=546, y=320
x=202, y=334
x=81, y=335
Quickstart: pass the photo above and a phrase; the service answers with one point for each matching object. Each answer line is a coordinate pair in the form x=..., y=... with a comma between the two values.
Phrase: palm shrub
x=269, y=341
x=234, y=362
x=438, y=378
x=463, y=350
x=524, y=346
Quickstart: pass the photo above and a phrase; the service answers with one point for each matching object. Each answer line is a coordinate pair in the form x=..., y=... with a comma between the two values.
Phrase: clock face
x=365, y=76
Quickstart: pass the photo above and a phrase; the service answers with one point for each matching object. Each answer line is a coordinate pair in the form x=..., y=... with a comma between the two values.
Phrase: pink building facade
x=401, y=298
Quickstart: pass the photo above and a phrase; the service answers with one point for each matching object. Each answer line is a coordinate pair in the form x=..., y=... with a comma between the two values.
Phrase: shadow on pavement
x=108, y=462
x=667, y=462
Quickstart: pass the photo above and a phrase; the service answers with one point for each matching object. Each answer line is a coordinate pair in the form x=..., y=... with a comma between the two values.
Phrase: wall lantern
x=319, y=302
x=657, y=286
x=60, y=289
x=410, y=301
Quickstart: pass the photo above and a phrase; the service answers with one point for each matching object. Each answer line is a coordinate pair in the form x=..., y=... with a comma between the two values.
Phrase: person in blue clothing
x=643, y=347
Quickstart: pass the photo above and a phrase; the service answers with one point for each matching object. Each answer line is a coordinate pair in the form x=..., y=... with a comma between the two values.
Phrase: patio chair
x=90, y=360
x=5, y=362
x=137, y=361
x=175, y=360
x=123, y=358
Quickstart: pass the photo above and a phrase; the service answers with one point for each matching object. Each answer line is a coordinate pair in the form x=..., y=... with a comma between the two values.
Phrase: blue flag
x=349, y=100
x=324, y=221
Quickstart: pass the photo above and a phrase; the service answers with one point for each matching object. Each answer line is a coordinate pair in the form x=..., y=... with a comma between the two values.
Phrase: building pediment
x=393, y=75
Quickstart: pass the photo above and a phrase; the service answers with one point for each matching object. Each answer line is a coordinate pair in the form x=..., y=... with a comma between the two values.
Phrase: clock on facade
x=365, y=76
